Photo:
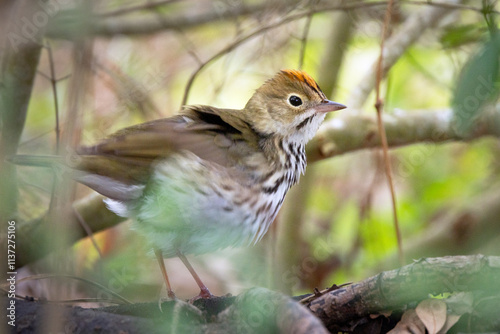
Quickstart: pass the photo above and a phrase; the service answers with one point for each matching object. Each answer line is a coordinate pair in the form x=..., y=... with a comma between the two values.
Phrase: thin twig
x=67, y=76
x=189, y=46
x=379, y=105
x=88, y=230
x=53, y=82
x=317, y=293
x=448, y=5
x=66, y=301
x=83, y=300
x=145, y=6
x=181, y=21
x=95, y=284
x=303, y=41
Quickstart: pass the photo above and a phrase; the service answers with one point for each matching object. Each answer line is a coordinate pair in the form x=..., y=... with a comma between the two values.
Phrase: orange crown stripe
x=302, y=76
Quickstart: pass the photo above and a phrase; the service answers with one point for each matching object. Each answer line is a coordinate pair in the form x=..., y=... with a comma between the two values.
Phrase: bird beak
x=327, y=106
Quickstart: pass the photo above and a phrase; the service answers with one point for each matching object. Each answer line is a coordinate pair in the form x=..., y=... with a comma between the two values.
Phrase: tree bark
x=394, y=290
x=358, y=306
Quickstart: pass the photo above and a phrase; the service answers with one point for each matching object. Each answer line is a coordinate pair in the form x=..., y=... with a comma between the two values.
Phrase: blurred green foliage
x=477, y=85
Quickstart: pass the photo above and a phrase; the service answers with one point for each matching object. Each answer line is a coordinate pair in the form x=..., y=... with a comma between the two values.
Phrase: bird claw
x=171, y=296
x=204, y=294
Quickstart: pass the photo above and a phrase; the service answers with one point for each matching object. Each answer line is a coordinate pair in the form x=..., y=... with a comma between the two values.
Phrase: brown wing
x=127, y=155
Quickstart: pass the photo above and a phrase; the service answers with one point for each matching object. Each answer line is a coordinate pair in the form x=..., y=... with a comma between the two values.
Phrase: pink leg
x=204, y=292
x=159, y=257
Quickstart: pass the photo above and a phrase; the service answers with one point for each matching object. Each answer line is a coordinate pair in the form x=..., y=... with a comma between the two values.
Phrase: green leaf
x=458, y=36
x=476, y=86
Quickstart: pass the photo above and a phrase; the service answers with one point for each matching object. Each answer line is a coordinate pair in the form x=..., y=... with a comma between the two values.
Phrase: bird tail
x=35, y=160
x=106, y=185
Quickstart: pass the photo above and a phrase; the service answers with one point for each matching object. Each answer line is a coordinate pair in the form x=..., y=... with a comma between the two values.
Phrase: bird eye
x=294, y=100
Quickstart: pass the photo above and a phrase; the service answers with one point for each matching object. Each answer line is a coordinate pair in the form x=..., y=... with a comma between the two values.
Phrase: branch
x=107, y=27
x=33, y=237
x=393, y=290
x=19, y=62
x=259, y=310
x=276, y=313
x=342, y=135
x=68, y=24
x=148, y=5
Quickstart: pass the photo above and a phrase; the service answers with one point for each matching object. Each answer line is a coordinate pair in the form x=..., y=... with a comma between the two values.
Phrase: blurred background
x=77, y=71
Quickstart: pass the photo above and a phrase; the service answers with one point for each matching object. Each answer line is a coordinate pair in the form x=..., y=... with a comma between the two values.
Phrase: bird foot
x=204, y=294
x=171, y=296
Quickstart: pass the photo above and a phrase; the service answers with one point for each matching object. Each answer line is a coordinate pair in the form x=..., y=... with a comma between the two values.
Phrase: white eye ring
x=294, y=100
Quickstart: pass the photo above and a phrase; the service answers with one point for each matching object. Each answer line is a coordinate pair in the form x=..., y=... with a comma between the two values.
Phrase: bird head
x=290, y=104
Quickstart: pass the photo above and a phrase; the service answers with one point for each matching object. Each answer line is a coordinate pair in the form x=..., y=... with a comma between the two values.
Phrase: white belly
x=184, y=208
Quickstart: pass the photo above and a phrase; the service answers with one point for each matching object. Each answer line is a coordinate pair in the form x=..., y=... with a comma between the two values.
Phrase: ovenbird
x=208, y=178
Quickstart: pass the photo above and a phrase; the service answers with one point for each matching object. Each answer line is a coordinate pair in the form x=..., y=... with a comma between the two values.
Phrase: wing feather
x=210, y=133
